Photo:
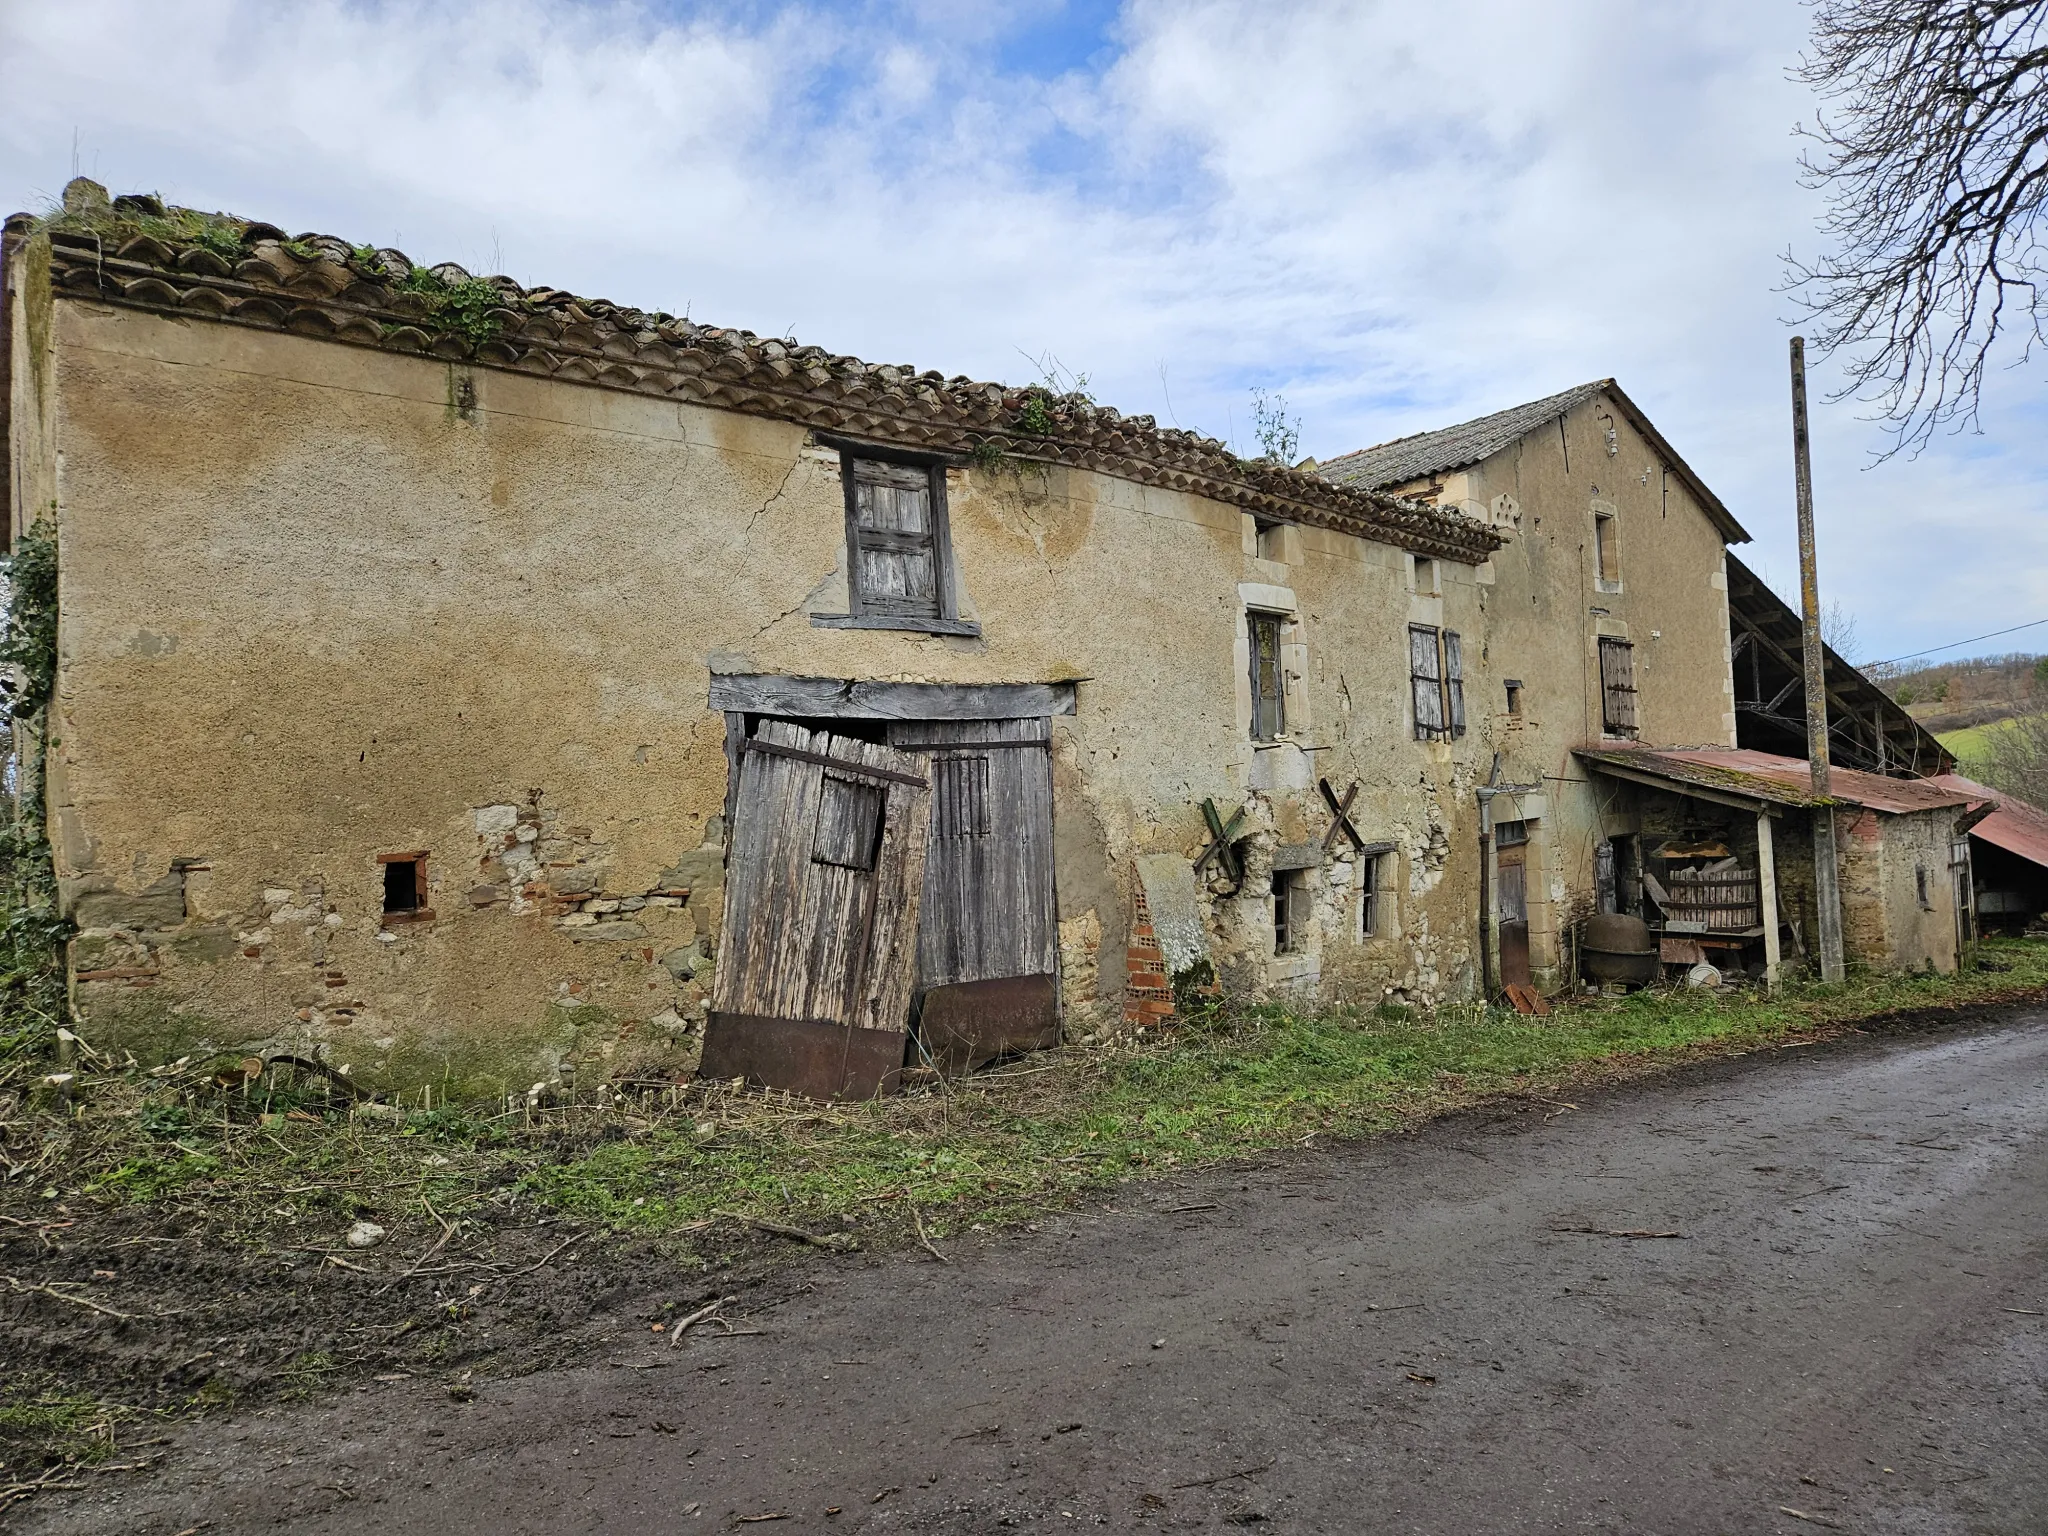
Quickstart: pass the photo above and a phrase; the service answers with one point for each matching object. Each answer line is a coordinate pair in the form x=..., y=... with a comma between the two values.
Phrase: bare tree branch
x=1934, y=156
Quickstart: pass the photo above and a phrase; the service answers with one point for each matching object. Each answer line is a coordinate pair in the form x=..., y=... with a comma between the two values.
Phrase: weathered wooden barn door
x=988, y=939
x=824, y=877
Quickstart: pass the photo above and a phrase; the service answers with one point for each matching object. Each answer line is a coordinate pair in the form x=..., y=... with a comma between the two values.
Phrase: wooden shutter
x=894, y=545
x=1617, y=686
x=1454, y=682
x=1268, y=698
x=824, y=874
x=1425, y=682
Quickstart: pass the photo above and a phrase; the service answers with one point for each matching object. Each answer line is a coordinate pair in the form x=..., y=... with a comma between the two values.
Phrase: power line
x=2033, y=624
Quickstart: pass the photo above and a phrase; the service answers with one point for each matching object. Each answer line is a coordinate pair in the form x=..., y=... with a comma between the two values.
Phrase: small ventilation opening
x=1515, y=696
x=405, y=883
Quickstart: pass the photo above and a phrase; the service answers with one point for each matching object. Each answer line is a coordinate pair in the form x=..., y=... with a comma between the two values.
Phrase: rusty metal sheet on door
x=814, y=1057
x=968, y=1024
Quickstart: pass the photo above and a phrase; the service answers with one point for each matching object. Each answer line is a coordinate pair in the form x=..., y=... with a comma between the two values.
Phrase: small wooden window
x=1287, y=892
x=897, y=548
x=1436, y=682
x=405, y=886
x=1606, y=554
x=1510, y=834
x=849, y=822
x=1369, y=896
x=960, y=797
x=1269, y=692
x=1617, y=686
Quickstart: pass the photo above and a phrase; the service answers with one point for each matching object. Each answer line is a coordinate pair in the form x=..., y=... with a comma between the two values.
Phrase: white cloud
x=1396, y=215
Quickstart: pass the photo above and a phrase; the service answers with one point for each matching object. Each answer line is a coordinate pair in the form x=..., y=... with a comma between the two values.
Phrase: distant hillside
x=1959, y=697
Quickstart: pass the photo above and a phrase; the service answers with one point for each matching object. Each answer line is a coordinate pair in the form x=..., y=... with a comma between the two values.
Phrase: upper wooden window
x=1289, y=912
x=1370, y=894
x=1617, y=686
x=1269, y=691
x=1436, y=682
x=897, y=547
x=1606, y=550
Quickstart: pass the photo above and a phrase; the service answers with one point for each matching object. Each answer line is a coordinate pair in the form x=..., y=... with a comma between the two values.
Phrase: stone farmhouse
x=481, y=685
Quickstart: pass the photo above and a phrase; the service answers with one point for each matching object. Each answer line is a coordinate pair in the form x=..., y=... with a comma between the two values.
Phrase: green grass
x=688, y=1167
x=1239, y=1083
x=41, y=1427
x=1971, y=746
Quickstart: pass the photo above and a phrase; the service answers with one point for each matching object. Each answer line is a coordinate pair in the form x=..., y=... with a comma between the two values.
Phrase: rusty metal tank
x=1618, y=947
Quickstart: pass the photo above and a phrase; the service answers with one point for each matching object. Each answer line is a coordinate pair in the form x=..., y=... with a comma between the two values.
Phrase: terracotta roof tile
x=139, y=254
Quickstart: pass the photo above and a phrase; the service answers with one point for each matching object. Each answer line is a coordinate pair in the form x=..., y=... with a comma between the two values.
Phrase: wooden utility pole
x=1827, y=893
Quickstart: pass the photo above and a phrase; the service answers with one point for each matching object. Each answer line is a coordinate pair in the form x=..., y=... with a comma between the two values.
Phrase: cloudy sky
x=1396, y=216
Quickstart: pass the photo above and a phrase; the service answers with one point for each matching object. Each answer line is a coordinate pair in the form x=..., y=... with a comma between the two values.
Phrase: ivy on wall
x=32, y=935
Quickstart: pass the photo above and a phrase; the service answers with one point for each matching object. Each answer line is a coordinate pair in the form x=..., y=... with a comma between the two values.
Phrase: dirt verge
x=118, y=1312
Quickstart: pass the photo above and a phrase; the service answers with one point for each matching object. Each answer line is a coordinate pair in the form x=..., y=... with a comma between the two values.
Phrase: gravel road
x=1470, y=1329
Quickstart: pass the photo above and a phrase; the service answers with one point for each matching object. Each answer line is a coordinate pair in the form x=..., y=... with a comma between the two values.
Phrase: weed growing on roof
x=989, y=453
x=466, y=307
x=1278, y=433
x=1035, y=414
x=115, y=225
x=1056, y=386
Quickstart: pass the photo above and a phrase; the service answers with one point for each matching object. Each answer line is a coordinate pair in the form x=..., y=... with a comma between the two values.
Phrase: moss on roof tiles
x=138, y=252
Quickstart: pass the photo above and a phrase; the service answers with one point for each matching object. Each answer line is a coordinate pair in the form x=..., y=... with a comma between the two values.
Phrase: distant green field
x=1972, y=745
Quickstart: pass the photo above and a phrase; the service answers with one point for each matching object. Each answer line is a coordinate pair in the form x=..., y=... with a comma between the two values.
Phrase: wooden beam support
x=835, y=698
x=1767, y=898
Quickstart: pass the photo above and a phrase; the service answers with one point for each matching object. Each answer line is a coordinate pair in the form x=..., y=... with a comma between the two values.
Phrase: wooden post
x=1767, y=896
x=1827, y=894
x=1489, y=933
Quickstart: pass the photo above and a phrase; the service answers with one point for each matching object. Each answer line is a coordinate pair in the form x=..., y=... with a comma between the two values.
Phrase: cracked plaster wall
x=375, y=603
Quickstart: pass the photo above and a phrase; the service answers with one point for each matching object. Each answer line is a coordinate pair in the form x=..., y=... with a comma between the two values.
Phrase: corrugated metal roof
x=2013, y=824
x=1469, y=442
x=1764, y=776
x=1759, y=615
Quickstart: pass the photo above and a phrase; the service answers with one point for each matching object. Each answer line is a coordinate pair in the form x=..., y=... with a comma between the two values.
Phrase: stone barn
x=475, y=684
